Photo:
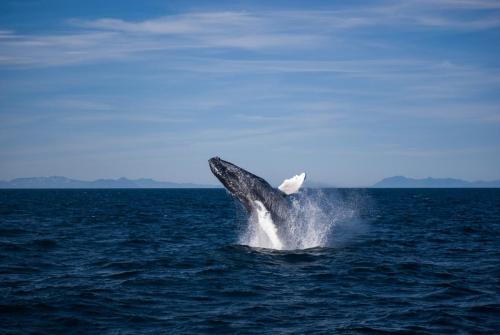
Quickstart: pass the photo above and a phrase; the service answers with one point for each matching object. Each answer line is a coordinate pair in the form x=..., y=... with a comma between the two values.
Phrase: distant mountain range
x=391, y=182
x=63, y=182
x=404, y=182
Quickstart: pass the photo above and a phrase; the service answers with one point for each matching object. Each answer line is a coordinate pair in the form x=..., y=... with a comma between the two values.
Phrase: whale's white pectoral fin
x=292, y=185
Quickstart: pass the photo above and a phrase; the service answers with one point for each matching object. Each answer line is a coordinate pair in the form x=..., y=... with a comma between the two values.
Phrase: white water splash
x=311, y=223
x=265, y=233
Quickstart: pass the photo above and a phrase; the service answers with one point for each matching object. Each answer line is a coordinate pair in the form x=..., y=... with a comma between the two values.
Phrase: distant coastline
x=63, y=182
x=58, y=182
x=404, y=182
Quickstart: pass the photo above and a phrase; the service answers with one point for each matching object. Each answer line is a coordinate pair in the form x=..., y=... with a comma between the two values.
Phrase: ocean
x=188, y=261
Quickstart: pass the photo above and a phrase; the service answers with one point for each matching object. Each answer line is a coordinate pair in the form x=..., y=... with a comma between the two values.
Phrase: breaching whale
x=253, y=192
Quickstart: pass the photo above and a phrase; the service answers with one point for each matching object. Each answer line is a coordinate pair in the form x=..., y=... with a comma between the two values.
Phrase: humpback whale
x=253, y=192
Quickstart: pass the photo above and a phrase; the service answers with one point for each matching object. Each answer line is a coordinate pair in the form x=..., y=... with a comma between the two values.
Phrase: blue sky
x=349, y=92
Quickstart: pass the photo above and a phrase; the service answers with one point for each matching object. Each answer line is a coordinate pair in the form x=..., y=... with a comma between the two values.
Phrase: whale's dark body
x=249, y=189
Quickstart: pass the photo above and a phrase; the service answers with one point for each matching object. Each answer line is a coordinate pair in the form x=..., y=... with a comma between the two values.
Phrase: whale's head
x=245, y=186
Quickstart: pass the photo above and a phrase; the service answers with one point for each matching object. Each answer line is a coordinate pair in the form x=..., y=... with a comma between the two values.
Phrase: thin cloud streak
x=116, y=39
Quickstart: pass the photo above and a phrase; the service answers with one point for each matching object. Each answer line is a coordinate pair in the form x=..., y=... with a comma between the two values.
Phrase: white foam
x=263, y=233
x=313, y=217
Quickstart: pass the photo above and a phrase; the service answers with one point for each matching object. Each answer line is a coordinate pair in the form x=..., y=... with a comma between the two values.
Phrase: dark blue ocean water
x=169, y=261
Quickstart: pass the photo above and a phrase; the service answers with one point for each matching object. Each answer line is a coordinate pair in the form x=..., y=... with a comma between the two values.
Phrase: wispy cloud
x=201, y=23
x=457, y=4
x=104, y=39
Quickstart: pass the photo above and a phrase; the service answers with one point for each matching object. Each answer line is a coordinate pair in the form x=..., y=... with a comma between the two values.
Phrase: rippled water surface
x=169, y=261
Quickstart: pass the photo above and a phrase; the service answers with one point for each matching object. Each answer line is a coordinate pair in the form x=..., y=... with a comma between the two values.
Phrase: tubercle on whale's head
x=228, y=174
x=215, y=165
x=239, y=182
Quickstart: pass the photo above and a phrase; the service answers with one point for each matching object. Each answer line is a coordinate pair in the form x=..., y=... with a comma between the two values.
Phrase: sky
x=349, y=92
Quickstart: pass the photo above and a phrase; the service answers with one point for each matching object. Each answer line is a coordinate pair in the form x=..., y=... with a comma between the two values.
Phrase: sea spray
x=263, y=233
x=313, y=217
